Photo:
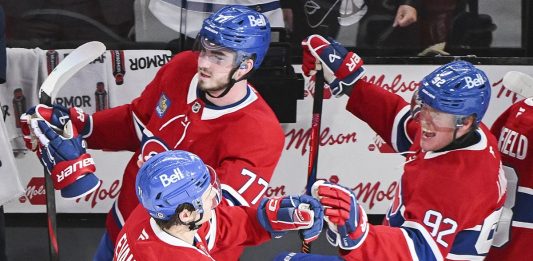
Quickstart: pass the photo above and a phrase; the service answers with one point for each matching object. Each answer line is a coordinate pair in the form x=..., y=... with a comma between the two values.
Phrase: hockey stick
x=314, y=142
x=519, y=83
x=77, y=59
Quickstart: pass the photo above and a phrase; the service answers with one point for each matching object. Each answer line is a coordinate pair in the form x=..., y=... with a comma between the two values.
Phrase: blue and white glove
x=58, y=116
x=279, y=215
x=65, y=157
x=341, y=68
x=347, y=221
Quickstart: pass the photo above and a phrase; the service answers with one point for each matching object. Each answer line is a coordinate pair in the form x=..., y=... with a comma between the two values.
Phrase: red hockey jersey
x=447, y=204
x=142, y=239
x=242, y=141
x=514, y=235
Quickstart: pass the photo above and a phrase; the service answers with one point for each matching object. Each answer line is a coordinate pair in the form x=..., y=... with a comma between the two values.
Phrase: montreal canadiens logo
x=152, y=147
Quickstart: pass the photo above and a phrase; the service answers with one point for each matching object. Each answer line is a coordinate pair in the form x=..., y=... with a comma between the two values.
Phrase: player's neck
x=182, y=232
x=237, y=93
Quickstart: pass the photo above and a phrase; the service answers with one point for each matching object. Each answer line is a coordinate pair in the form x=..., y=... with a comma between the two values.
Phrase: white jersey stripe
x=410, y=244
x=394, y=134
x=235, y=195
x=429, y=240
x=525, y=190
x=464, y=257
x=522, y=224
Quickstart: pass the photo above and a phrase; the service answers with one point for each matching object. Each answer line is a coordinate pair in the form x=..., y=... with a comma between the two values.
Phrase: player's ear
x=468, y=123
x=245, y=67
x=186, y=216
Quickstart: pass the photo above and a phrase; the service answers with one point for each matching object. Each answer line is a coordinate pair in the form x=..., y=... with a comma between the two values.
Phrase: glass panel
x=458, y=27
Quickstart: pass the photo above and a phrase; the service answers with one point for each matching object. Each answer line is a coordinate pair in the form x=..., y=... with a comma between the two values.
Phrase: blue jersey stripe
x=522, y=210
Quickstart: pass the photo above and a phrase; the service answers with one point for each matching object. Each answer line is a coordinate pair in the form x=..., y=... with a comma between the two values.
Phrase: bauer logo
x=471, y=83
x=35, y=192
x=173, y=178
x=223, y=18
x=74, y=168
x=162, y=105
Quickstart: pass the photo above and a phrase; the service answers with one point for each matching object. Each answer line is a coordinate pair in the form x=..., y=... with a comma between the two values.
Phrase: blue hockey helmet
x=238, y=28
x=457, y=88
x=172, y=178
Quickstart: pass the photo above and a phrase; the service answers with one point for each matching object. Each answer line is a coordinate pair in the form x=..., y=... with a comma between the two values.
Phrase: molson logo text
x=35, y=192
x=299, y=138
x=397, y=84
x=101, y=193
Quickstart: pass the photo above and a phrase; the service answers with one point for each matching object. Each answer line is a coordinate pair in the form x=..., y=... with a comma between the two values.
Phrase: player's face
x=437, y=128
x=210, y=199
x=214, y=67
x=212, y=196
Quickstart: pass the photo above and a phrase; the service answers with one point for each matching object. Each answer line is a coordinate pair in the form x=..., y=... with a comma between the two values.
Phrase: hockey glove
x=347, y=221
x=279, y=215
x=341, y=68
x=57, y=116
x=30, y=140
x=64, y=156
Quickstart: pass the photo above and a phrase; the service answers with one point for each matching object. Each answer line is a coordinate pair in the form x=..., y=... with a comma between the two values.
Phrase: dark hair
x=175, y=219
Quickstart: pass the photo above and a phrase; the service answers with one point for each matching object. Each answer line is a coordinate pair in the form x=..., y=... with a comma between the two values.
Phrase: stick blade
x=70, y=65
x=519, y=83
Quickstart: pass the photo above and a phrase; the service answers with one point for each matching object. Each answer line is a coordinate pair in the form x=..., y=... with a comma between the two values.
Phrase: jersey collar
x=213, y=112
x=480, y=145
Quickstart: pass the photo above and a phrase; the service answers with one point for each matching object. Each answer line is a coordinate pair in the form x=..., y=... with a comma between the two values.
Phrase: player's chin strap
x=231, y=83
x=193, y=225
x=458, y=124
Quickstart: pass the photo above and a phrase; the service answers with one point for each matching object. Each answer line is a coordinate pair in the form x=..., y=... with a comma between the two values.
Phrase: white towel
x=10, y=186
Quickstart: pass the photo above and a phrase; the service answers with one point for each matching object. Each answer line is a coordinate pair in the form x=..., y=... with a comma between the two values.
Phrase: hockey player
x=179, y=219
x=199, y=102
x=514, y=129
x=452, y=189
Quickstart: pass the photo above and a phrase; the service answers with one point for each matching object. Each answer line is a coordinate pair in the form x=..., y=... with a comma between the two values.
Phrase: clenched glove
x=65, y=157
x=279, y=215
x=57, y=116
x=347, y=221
x=341, y=68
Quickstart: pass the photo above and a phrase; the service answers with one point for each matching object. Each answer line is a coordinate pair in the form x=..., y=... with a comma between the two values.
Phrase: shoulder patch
x=162, y=105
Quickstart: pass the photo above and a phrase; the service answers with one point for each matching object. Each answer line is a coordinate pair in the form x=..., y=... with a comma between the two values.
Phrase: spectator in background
x=323, y=17
x=435, y=25
x=381, y=24
x=390, y=27
x=48, y=21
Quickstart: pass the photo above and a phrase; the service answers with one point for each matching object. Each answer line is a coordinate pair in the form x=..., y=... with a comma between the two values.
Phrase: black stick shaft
x=50, y=201
x=314, y=142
